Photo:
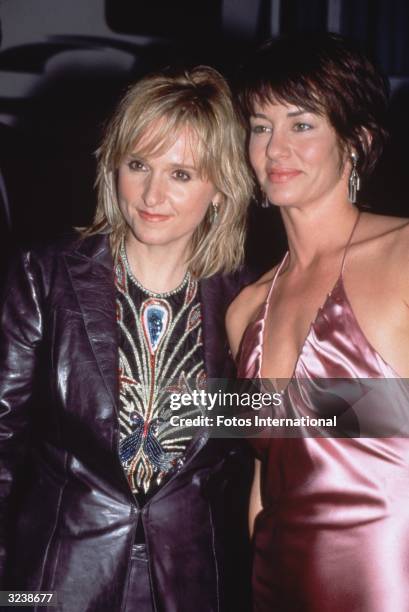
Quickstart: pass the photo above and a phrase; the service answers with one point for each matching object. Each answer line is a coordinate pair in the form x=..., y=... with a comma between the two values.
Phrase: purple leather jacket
x=68, y=517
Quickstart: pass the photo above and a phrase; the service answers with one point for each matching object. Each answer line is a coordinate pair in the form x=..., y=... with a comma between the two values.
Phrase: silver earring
x=215, y=212
x=354, y=183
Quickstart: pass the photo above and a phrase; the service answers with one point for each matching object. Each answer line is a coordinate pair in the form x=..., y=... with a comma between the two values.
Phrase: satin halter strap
x=285, y=258
x=270, y=291
x=348, y=244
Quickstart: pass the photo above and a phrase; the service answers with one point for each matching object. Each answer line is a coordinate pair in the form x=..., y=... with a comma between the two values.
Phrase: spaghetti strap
x=285, y=258
x=270, y=291
x=349, y=242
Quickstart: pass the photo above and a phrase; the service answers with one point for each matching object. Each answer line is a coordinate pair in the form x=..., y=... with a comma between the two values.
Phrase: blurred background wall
x=63, y=64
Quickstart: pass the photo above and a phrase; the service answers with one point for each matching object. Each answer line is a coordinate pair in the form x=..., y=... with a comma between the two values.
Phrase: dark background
x=63, y=64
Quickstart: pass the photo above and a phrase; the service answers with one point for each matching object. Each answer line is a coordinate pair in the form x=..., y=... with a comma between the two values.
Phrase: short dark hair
x=328, y=75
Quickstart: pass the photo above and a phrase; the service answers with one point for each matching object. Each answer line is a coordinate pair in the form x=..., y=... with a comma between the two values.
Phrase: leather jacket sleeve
x=20, y=335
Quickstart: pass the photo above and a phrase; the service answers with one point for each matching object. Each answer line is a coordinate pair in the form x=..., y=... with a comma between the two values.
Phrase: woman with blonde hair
x=120, y=510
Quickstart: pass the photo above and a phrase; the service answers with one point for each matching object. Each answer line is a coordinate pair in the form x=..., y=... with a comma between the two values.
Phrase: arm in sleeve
x=20, y=335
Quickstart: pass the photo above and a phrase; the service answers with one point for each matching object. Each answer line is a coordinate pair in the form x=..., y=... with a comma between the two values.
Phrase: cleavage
x=287, y=327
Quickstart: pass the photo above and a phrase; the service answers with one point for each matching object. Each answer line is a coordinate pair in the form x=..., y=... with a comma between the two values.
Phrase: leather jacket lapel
x=215, y=297
x=92, y=277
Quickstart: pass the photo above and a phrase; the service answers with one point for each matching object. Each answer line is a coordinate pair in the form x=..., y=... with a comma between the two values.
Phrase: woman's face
x=295, y=155
x=162, y=196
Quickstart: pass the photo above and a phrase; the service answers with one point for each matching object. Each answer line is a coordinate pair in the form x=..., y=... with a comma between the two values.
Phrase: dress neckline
x=153, y=294
x=338, y=293
x=342, y=297
x=320, y=309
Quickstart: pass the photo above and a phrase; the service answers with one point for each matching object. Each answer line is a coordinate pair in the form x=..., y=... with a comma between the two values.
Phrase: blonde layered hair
x=165, y=103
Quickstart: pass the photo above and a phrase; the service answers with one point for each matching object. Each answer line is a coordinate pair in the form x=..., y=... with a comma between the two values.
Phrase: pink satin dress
x=333, y=535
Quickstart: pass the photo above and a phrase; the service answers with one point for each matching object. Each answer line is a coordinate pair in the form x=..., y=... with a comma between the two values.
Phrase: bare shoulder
x=244, y=309
x=250, y=299
x=390, y=235
x=378, y=225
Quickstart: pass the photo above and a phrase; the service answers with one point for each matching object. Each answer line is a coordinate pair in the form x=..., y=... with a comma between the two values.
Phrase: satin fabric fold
x=334, y=531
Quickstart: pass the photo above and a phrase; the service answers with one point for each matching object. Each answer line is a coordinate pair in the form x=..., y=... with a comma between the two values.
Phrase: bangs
x=301, y=94
x=194, y=105
x=160, y=135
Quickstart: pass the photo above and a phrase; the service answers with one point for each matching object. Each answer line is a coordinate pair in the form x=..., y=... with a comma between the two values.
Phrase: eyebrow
x=140, y=158
x=290, y=114
x=297, y=113
x=184, y=166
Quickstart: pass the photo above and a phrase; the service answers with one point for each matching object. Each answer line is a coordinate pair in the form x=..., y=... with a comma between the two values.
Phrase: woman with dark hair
x=103, y=500
x=331, y=513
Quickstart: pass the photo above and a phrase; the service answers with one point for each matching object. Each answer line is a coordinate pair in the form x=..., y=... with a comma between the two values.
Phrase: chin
x=282, y=202
x=157, y=238
x=152, y=240
x=281, y=197
x=148, y=237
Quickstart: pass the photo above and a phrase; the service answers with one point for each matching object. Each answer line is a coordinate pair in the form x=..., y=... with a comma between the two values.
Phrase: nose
x=153, y=193
x=278, y=146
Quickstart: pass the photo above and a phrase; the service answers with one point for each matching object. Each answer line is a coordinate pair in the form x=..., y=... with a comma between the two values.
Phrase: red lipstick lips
x=152, y=218
x=282, y=175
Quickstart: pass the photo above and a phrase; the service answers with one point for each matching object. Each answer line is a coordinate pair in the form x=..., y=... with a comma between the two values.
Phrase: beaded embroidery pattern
x=160, y=341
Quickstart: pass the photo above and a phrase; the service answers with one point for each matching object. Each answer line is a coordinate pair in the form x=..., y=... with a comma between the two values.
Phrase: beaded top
x=160, y=352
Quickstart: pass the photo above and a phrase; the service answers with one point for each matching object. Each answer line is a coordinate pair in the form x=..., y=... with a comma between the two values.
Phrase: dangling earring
x=354, y=183
x=215, y=213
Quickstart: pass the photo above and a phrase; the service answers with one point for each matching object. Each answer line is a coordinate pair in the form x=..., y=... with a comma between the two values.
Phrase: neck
x=318, y=231
x=158, y=268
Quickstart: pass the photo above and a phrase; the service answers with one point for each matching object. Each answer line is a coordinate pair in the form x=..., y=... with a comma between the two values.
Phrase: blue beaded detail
x=155, y=321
